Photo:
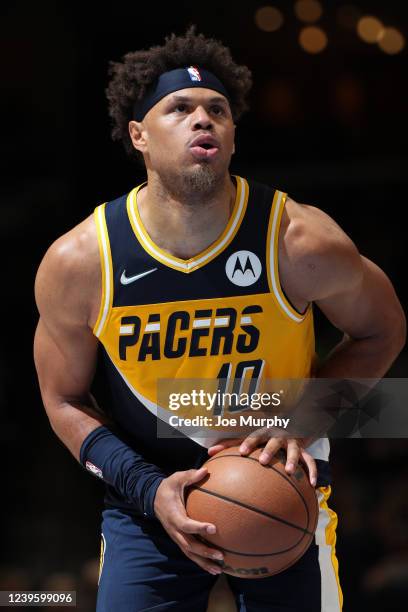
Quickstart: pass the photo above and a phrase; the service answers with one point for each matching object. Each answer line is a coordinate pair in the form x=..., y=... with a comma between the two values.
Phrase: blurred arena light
x=268, y=18
x=349, y=98
x=348, y=16
x=308, y=11
x=278, y=101
x=391, y=41
x=370, y=29
x=313, y=39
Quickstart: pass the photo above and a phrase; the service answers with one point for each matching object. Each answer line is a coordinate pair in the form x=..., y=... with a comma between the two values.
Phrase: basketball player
x=154, y=276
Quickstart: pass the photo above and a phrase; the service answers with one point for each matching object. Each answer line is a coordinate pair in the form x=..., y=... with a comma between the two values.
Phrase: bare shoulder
x=68, y=278
x=312, y=228
x=316, y=257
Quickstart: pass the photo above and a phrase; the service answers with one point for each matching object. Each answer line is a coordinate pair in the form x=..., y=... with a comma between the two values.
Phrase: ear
x=138, y=135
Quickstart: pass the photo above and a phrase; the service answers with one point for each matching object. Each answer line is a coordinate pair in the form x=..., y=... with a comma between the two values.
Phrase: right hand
x=170, y=510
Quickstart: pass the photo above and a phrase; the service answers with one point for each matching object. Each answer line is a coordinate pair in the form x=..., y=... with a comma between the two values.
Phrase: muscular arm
x=374, y=326
x=356, y=296
x=65, y=355
x=65, y=349
x=352, y=292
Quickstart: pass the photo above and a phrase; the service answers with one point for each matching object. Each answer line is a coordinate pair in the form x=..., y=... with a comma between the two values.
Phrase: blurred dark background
x=327, y=124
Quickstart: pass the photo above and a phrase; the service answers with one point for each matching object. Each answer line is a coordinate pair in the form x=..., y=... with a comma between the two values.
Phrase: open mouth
x=204, y=148
x=204, y=151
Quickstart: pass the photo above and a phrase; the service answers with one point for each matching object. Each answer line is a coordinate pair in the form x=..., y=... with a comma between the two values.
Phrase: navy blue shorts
x=142, y=569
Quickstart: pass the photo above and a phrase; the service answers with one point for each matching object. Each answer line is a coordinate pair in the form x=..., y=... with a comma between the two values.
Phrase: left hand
x=295, y=450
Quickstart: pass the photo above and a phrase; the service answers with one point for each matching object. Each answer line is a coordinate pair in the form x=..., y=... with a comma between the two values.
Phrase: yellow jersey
x=220, y=315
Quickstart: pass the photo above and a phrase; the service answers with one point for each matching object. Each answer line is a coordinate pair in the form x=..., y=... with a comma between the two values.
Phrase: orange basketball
x=265, y=518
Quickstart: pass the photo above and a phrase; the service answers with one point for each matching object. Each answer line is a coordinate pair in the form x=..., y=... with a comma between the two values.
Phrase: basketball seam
x=258, y=510
x=269, y=554
x=275, y=470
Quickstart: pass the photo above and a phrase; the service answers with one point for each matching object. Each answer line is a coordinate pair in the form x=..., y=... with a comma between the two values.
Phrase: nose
x=201, y=119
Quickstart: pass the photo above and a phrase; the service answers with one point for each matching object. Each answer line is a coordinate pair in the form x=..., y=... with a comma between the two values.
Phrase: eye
x=218, y=110
x=180, y=108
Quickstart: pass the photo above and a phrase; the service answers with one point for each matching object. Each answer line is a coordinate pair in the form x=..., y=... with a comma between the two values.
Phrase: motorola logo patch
x=243, y=268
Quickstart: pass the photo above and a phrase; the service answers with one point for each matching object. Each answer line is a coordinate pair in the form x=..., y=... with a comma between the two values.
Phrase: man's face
x=189, y=132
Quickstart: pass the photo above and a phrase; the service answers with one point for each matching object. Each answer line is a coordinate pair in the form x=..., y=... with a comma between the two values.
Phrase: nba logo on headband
x=174, y=80
x=194, y=73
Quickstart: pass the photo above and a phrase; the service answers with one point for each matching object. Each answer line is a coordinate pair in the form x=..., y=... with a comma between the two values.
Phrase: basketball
x=265, y=518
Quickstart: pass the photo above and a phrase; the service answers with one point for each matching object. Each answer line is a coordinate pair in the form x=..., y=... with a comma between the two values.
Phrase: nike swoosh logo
x=126, y=280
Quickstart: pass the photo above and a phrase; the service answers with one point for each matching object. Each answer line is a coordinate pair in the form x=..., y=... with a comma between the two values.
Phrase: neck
x=185, y=224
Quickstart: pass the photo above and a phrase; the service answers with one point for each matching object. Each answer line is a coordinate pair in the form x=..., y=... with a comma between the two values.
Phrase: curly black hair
x=139, y=69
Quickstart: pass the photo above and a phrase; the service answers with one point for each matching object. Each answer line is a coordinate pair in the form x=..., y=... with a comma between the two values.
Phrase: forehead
x=195, y=95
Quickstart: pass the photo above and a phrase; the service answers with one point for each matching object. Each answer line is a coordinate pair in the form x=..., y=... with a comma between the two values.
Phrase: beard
x=192, y=185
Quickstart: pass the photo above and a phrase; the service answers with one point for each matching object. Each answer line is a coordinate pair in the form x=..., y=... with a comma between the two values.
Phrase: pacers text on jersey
x=207, y=332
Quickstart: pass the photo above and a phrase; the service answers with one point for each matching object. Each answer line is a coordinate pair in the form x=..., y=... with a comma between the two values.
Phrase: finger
x=207, y=566
x=292, y=456
x=190, y=477
x=252, y=441
x=180, y=521
x=249, y=444
x=187, y=479
x=311, y=466
x=271, y=448
x=186, y=547
x=222, y=445
x=188, y=525
x=213, y=450
x=202, y=549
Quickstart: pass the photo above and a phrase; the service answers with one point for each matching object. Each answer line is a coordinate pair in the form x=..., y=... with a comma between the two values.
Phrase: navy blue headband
x=168, y=82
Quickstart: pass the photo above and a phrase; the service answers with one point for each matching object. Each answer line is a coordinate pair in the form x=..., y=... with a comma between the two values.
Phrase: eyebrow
x=181, y=98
